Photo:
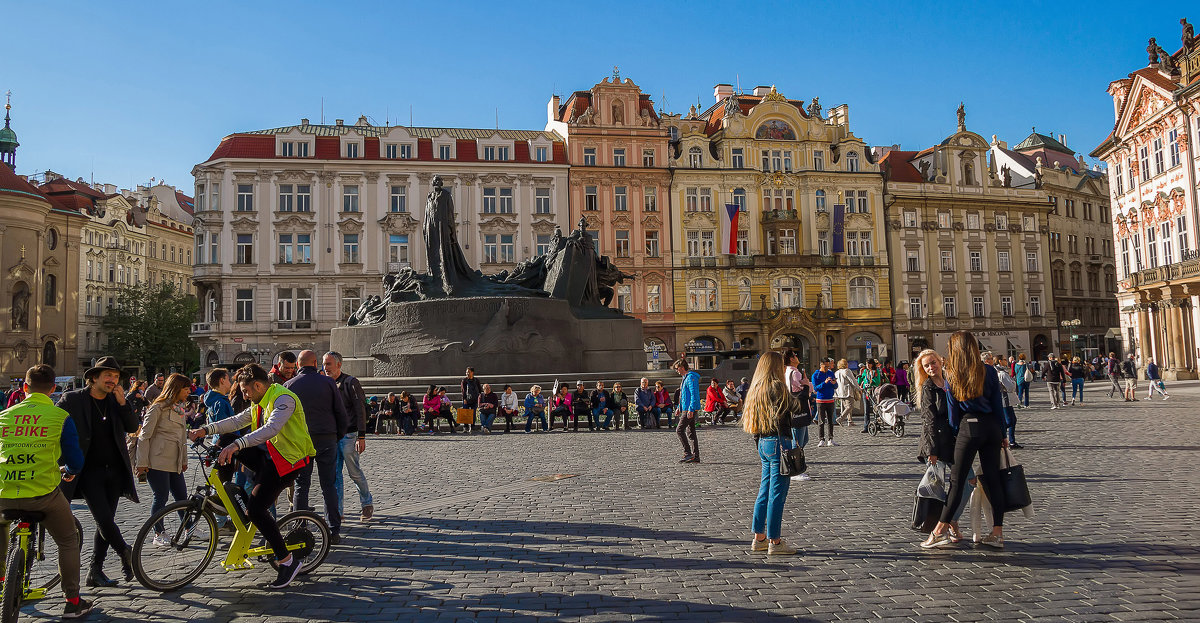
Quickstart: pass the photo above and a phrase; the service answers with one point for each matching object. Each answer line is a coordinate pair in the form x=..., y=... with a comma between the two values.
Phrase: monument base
x=508, y=335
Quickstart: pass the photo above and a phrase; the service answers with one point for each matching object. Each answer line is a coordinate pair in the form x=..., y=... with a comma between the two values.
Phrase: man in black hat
x=103, y=419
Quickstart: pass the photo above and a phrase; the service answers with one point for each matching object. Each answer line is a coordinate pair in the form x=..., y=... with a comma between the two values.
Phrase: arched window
x=51, y=299
x=702, y=295
x=744, y=301
x=52, y=239
x=852, y=162
x=820, y=201
x=20, y=307
x=695, y=159
x=787, y=292
x=50, y=354
x=862, y=292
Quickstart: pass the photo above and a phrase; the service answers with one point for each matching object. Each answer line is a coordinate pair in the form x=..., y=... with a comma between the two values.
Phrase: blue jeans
x=1077, y=388
x=1010, y=424
x=598, y=411
x=348, y=456
x=772, y=490
x=486, y=418
x=1062, y=389
x=1023, y=393
x=529, y=420
x=800, y=436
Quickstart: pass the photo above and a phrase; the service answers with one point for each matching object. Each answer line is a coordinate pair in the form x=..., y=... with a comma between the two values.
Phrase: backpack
x=1128, y=368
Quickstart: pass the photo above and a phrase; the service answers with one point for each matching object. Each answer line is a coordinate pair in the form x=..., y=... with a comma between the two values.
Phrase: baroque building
x=1083, y=275
x=776, y=231
x=619, y=183
x=1154, y=172
x=968, y=251
x=296, y=226
x=39, y=260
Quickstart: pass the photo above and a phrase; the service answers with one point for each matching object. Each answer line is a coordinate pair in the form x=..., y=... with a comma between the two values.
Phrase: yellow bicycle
x=178, y=542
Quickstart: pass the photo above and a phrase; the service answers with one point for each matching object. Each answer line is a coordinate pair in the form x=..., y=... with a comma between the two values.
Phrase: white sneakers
x=830, y=443
x=802, y=477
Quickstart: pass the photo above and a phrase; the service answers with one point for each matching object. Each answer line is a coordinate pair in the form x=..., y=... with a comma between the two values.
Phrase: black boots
x=97, y=579
x=127, y=564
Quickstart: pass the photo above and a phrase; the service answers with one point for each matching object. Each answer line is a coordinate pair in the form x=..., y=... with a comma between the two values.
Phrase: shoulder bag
x=1012, y=477
x=791, y=461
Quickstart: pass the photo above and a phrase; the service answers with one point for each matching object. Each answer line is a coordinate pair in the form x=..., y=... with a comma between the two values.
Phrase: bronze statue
x=447, y=264
x=1188, y=33
x=962, y=117
x=1152, y=49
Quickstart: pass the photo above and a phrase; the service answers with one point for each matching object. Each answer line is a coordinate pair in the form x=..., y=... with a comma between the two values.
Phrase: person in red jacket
x=714, y=403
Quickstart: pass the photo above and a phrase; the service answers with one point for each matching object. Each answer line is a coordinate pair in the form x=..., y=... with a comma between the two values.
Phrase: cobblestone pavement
x=463, y=533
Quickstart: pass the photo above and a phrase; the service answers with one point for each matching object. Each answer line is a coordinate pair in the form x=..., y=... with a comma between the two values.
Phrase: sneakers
x=161, y=540
x=77, y=609
x=1015, y=446
x=694, y=459
x=287, y=573
x=993, y=541
x=757, y=545
x=687, y=458
x=821, y=444
x=368, y=511
x=780, y=549
x=802, y=477
x=830, y=443
x=936, y=542
x=1165, y=396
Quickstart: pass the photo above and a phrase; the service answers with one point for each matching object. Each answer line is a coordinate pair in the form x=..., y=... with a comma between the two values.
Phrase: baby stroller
x=889, y=411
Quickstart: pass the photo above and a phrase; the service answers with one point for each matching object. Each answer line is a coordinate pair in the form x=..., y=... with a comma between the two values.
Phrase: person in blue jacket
x=689, y=406
x=535, y=407
x=824, y=383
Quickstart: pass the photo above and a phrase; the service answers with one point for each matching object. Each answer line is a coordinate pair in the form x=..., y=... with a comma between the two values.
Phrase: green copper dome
x=8, y=139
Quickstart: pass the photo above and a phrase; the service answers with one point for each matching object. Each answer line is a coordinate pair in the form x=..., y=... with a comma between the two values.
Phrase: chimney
x=552, y=108
x=304, y=121
x=1062, y=138
x=722, y=91
x=340, y=121
x=761, y=91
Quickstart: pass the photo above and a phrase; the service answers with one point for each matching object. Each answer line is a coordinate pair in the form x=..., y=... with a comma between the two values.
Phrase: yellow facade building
x=801, y=262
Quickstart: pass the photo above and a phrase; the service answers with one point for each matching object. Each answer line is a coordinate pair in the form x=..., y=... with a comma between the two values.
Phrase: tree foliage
x=151, y=324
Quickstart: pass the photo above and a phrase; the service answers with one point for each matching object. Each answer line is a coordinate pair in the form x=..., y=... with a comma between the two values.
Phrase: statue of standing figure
x=448, y=266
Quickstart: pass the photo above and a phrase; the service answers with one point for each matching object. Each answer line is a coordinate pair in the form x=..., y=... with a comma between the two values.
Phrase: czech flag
x=729, y=228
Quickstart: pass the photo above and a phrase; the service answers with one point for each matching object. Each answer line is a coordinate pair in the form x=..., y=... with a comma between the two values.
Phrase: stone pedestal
x=508, y=335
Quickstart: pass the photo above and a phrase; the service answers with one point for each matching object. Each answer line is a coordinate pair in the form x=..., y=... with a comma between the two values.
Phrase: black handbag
x=926, y=513
x=791, y=462
x=1013, y=485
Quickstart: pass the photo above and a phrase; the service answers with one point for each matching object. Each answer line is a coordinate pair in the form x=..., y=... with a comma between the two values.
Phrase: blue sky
x=127, y=92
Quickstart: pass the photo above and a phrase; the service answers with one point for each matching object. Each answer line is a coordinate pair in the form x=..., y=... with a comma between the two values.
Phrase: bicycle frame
x=23, y=537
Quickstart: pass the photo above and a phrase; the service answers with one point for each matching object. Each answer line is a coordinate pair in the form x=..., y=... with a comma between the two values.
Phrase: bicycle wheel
x=14, y=584
x=309, y=530
x=191, y=535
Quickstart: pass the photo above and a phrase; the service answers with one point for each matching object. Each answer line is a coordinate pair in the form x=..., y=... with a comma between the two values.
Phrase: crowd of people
x=306, y=414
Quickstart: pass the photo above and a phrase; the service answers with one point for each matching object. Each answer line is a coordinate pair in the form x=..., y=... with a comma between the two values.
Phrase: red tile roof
x=262, y=146
x=71, y=196
x=896, y=167
x=575, y=105
x=185, y=202
x=1155, y=77
x=244, y=146
x=328, y=148
x=11, y=183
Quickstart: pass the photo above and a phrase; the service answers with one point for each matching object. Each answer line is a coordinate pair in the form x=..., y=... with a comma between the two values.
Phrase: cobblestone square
x=463, y=533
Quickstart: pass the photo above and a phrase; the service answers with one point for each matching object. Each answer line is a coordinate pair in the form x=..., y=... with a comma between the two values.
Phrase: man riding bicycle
x=276, y=449
x=34, y=436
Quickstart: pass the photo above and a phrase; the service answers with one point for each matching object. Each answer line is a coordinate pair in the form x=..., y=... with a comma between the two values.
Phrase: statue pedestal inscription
x=506, y=335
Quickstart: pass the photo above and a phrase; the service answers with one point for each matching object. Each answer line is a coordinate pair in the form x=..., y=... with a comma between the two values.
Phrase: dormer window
x=541, y=154
x=852, y=162
x=352, y=150
x=445, y=152
x=694, y=157
x=394, y=151
x=293, y=149
x=495, y=153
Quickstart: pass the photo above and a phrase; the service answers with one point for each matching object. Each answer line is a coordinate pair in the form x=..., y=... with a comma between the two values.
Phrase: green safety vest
x=29, y=447
x=292, y=442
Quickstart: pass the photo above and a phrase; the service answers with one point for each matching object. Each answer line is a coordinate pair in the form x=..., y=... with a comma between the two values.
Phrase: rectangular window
x=787, y=242
x=245, y=197
x=543, y=244
x=625, y=298
x=943, y=220
x=708, y=243
x=622, y=241
x=912, y=261
x=653, y=298
x=650, y=199
x=620, y=198
x=743, y=242
x=406, y=151
x=1173, y=147
x=541, y=154
x=914, y=307
x=398, y=249
x=391, y=151
x=977, y=307
x=947, y=261
x=1181, y=234
x=199, y=198
x=706, y=200
x=506, y=201
x=1029, y=224
x=910, y=218
x=507, y=249
x=351, y=150
x=787, y=161
x=1152, y=246
x=823, y=243
x=972, y=220
x=976, y=261
x=284, y=305
x=1125, y=256
x=303, y=249
x=287, y=200
x=1159, y=162
x=1144, y=156
x=350, y=249
x=589, y=156
x=618, y=157
x=1003, y=264
x=304, y=198
x=398, y=199
x=851, y=243
x=691, y=199
x=287, y=149
x=489, y=153
x=737, y=159
x=1035, y=306
x=865, y=241
x=692, y=238
x=1006, y=306
x=541, y=200
x=647, y=157
x=350, y=198
x=652, y=244
x=1001, y=221
x=491, y=252
x=445, y=152
x=245, y=249
x=1031, y=262
x=245, y=305
x=949, y=308
x=818, y=160
x=489, y=200
x=590, y=200
x=285, y=249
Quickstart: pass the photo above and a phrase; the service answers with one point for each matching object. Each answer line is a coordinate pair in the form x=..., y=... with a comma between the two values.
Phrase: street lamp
x=1069, y=325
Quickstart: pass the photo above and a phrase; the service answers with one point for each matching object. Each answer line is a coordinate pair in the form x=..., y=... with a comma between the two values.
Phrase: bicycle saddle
x=14, y=514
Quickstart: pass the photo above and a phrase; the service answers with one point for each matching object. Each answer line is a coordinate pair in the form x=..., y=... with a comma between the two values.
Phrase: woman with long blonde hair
x=937, y=436
x=973, y=406
x=768, y=416
x=162, y=445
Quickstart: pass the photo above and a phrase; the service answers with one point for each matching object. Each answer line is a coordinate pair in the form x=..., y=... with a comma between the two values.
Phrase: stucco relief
x=398, y=223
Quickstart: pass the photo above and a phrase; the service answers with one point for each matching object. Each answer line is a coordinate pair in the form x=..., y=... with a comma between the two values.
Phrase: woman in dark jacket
x=937, y=436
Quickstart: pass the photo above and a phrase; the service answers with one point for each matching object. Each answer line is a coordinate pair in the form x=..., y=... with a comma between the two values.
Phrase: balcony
x=795, y=260
x=293, y=325
x=1179, y=270
x=779, y=215
x=201, y=328
x=861, y=260
x=743, y=260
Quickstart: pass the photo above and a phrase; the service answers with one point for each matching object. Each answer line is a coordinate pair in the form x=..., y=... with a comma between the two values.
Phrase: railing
x=779, y=215
x=394, y=267
x=293, y=325
x=1178, y=270
x=201, y=327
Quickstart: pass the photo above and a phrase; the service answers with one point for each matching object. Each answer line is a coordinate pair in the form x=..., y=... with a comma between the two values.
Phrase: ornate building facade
x=1083, y=275
x=800, y=261
x=1154, y=172
x=619, y=182
x=969, y=251
x=296, y=226
x=39, y=260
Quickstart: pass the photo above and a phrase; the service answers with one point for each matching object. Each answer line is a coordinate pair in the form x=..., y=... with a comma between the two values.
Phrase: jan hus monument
x=549, y=314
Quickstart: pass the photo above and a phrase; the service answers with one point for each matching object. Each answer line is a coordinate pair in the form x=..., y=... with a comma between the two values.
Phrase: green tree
x=151, y=324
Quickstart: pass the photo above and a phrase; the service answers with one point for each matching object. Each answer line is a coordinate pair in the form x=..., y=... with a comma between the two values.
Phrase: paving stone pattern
x=461, y=533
